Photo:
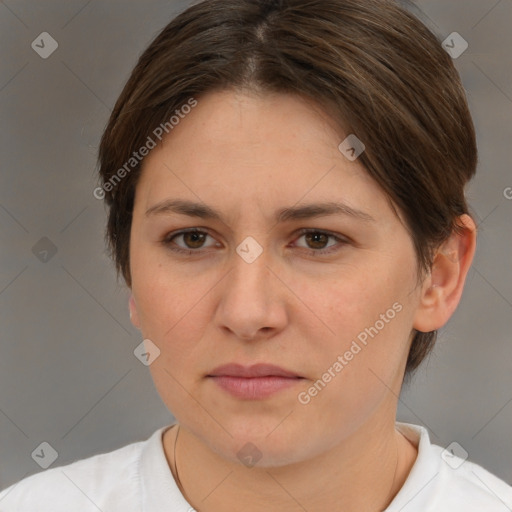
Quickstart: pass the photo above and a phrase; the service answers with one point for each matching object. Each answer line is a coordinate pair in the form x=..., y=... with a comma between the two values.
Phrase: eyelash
x=167, y=241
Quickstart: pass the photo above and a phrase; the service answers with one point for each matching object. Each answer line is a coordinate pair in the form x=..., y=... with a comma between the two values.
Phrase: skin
x=247, y=156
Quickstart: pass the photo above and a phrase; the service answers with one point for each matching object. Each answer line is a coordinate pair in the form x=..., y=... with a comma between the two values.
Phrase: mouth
x=255, y=382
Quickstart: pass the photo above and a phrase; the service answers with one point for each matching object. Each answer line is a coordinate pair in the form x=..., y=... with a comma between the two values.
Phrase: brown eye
x=193, y=241
x=316, y=241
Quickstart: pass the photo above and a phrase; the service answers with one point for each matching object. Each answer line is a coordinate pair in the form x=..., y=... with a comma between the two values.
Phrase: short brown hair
x=371, y=64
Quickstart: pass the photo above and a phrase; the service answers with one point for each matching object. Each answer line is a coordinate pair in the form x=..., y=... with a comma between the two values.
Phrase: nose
x=252, y=299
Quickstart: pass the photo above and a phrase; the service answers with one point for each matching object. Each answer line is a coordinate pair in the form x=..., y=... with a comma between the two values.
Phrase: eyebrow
x=203, y=211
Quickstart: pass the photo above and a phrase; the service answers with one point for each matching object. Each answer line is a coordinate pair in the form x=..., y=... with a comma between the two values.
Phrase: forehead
x=242, y=124
x=267, y=149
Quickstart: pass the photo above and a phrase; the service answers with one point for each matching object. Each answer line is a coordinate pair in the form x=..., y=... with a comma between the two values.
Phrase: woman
x=285, y=183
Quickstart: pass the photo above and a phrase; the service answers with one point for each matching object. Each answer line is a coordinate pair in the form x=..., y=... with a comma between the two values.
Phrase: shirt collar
x=419, y=487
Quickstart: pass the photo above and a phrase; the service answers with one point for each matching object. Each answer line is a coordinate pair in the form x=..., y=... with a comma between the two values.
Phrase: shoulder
x=462, y=482
x=444, y=479
x=105, y=479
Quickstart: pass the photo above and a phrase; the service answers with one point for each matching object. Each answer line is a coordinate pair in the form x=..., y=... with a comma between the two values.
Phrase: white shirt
x=137, y=478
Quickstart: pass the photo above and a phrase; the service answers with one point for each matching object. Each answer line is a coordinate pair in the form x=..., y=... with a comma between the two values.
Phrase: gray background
x=68, y=375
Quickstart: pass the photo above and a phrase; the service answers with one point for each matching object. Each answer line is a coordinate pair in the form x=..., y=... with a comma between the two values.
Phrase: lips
x=255, y=382
x=257, y=370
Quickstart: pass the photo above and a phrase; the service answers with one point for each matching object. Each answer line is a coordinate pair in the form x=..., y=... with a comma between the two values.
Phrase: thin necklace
x=183, y=490
x=175, y=465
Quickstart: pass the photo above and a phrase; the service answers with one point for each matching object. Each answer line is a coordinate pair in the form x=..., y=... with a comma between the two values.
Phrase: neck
x=363, y=472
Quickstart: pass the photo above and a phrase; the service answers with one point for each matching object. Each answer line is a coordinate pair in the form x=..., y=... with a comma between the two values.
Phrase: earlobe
x=134, y=317
x=442, y=289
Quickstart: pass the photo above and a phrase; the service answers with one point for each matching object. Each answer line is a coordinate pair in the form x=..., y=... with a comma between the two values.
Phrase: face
x=334, y=306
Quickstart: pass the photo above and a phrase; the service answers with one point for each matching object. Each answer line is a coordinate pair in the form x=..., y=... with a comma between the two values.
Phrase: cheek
x=353, y=299
x=174, y=310
x=163, y=293
x=369, y=315
x=169, y=307
x=172, y=313
x=356, y=372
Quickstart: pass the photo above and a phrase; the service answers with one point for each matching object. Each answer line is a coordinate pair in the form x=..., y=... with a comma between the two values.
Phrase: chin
x=264, y=453
x=261, y=444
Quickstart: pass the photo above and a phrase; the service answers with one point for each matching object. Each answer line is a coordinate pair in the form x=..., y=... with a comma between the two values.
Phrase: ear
x=442, y=288
x=134, y=316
